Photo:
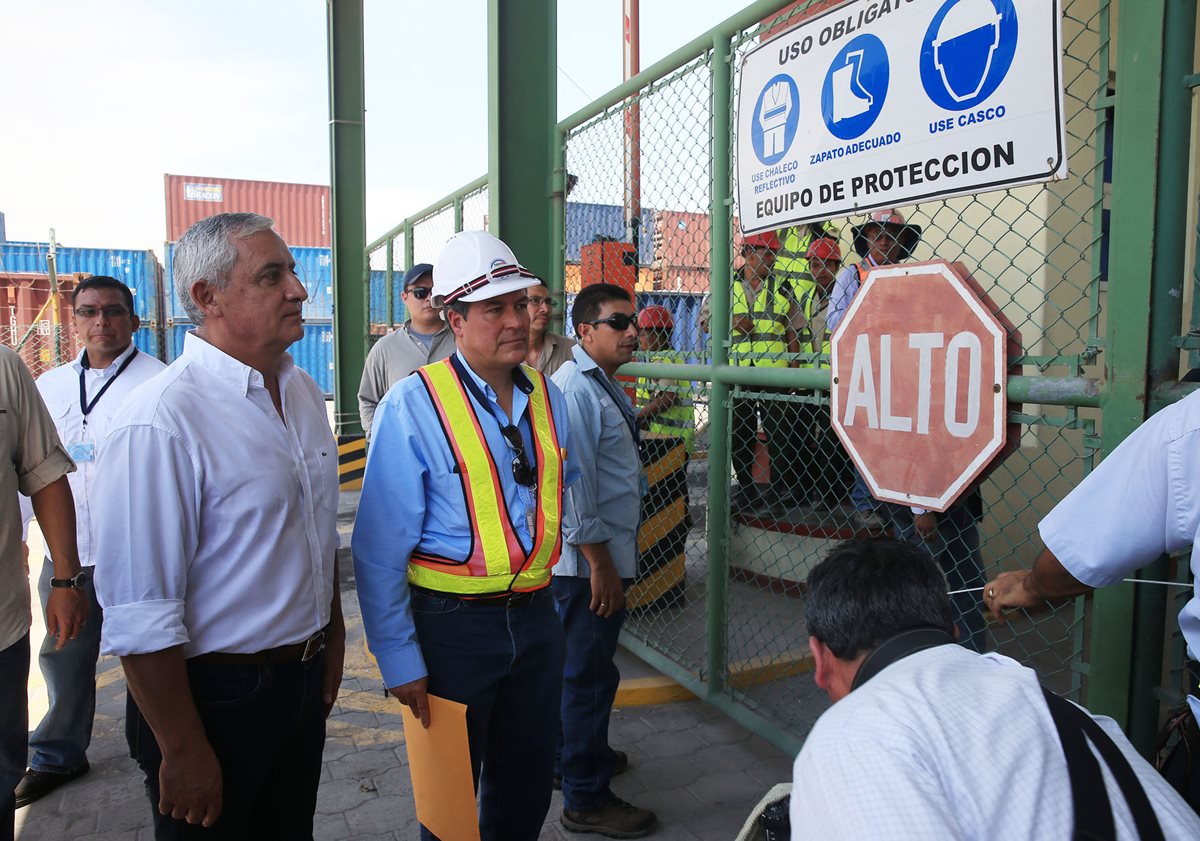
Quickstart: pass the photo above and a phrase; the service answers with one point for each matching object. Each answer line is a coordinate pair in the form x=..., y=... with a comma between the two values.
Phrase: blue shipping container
x=587, y=221
x=146, y=341
x=314, y=267
x=379, y=297
x=139, y=270
x=313, y=353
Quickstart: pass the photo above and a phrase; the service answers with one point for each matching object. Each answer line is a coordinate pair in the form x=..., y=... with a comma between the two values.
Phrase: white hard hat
x=475, y=266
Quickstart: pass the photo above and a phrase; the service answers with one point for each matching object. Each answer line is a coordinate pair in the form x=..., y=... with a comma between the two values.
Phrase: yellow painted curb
x=649, y=691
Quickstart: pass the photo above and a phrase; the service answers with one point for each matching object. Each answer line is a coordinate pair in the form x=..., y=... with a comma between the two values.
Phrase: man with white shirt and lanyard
x=457, y=531
x=928, y=739
x=422, y=339
x=215, y=507
x=82, y=396
x=599, y=558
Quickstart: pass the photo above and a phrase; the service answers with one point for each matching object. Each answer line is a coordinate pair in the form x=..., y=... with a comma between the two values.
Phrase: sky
x=102, y=98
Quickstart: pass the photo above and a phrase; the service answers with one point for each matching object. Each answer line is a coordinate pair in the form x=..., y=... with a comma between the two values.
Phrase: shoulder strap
x=1093, y=809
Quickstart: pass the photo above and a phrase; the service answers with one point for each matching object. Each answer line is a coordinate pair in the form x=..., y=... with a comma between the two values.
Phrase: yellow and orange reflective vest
x=497, y=562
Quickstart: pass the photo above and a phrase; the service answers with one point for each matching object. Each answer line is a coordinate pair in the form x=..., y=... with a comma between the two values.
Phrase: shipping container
x=302, y=212
x=314, y=267
x=139, y=270
x=313, y=353
x=588, y=222
x=379, y=297
x=573, y=279
x=685, y=308
x=682, y=238
x=38, y=325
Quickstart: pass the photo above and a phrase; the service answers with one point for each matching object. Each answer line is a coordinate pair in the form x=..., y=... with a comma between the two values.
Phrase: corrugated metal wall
x=301, y=212
x=139, y=270
x=314, y=267
x=313, y=353
x=586, y=222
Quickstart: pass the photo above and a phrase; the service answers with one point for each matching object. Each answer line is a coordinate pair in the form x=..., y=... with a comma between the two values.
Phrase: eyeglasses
x=420, y=292
x=114, y=311
x=618, y=321
x=521, y=468
x=534, y=303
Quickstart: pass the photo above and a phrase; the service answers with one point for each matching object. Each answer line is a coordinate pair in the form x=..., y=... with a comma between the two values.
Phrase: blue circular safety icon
x=776, y=116
x=855, y=88
x=968, y=51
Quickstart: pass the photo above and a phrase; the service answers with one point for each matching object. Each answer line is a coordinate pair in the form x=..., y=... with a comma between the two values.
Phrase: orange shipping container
x=302, y=212
x=40, y=330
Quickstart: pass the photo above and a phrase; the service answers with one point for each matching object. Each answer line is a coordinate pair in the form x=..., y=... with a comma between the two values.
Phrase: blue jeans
x=14, y=727
x=590, y=682
x=860, y=494
x=955, y=547
x=266, y=725
x=506, y=665
x=60, y=742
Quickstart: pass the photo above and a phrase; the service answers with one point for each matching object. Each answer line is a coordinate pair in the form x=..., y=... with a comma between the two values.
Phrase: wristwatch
x=75, y=582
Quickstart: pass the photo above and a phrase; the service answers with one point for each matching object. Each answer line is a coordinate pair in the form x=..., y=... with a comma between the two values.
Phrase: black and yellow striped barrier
x=352, y=461
x=662, y=537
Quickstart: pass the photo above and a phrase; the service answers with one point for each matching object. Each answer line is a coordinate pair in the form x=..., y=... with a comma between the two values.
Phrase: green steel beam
x=388, y=282
x=1140, y=36
x=556, y=278
x=721, y=234
x=344, y=20
x=1166, y=321
x=522, y=98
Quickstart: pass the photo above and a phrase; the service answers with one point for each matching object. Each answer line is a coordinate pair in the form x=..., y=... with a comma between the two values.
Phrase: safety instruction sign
x=879, y=103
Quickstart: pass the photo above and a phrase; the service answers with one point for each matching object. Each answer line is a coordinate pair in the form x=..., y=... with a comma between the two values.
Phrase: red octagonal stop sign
x=920, y=363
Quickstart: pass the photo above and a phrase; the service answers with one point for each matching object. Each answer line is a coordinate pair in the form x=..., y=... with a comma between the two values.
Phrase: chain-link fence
x=1040, y=253
x=42, y=345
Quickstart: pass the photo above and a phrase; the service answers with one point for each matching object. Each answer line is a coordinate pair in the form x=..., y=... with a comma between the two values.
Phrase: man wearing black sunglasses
x=599, y=559
x=421, y=339
x=457, y=531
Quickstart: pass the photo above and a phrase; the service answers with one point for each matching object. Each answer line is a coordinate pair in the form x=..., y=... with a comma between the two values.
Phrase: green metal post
x=556, y=279
x=388, y=279
x=718, y=448
x=1166, y=319
x=344, y=19
x=410, y=246
x=522, y=98
x=1135, y=180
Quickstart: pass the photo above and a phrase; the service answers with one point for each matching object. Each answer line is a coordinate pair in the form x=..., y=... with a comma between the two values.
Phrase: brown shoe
x=615, y=819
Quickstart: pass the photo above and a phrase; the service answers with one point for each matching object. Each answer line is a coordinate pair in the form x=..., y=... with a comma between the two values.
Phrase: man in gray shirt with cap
x=422, y=339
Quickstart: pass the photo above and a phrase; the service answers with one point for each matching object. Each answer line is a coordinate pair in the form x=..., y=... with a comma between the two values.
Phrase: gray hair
x=208, y=251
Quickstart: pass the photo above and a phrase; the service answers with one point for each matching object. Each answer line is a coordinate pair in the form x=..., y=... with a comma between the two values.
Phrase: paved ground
x=697, y=769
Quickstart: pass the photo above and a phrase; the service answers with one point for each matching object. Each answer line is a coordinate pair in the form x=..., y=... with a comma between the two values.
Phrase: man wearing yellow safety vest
x=792, y=261
x=765, y=319
x=885, y=238
x=829, y=469
x=458, y=529
x=662, y=411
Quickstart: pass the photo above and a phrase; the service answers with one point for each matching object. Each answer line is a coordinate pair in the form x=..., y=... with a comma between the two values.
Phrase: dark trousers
x=955, y=547
x=60, y=742
x=506, y=665
x=590, y=679
x=266, y=725
x=14, y=727
x=779, y=423
x=827, y=473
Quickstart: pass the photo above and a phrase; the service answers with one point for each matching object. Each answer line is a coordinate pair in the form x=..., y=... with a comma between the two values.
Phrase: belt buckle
x=313, y=646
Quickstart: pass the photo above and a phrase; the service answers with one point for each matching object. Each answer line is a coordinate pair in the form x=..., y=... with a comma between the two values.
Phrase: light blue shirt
x=604, y=505
x=412, y=498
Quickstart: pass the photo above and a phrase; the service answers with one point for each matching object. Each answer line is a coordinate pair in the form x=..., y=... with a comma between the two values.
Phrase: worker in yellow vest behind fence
x=765, y=318
x=792, y=261
x=663, y=411
x=458, y=528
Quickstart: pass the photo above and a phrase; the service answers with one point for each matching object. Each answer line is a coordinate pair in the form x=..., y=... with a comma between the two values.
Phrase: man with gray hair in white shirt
x=928, y=739
x=215, y=528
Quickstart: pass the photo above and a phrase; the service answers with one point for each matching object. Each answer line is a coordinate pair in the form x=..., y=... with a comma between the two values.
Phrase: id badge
x=82, y=451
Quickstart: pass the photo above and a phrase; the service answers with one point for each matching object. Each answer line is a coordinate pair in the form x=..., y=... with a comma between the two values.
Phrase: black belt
x=506, y=600
x=302, y=651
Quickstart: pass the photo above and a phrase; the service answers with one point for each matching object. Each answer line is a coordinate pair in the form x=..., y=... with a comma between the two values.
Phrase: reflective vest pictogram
x=496, y=562
x=767, y=340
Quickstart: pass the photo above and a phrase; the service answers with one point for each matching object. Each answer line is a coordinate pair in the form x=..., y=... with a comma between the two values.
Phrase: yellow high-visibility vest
x=497, y=562
x=677, y=421
x=768, y=339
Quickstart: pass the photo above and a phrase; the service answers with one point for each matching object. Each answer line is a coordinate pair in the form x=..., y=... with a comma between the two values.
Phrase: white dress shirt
x=59, y=388
x=215, y=520
x=1143, y=500
x=947, y=743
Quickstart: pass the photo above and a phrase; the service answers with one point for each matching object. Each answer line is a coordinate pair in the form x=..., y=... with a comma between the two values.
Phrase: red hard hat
x=767, y=239
x=824, y=248
x=655, y=318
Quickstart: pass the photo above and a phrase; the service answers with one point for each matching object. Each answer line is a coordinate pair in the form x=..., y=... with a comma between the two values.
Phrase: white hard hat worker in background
x=458, y=529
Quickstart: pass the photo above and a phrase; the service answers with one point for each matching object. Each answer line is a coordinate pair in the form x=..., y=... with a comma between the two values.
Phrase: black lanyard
x=84, y=406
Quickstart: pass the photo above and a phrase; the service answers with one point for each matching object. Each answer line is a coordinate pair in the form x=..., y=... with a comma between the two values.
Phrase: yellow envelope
x=439, y=761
